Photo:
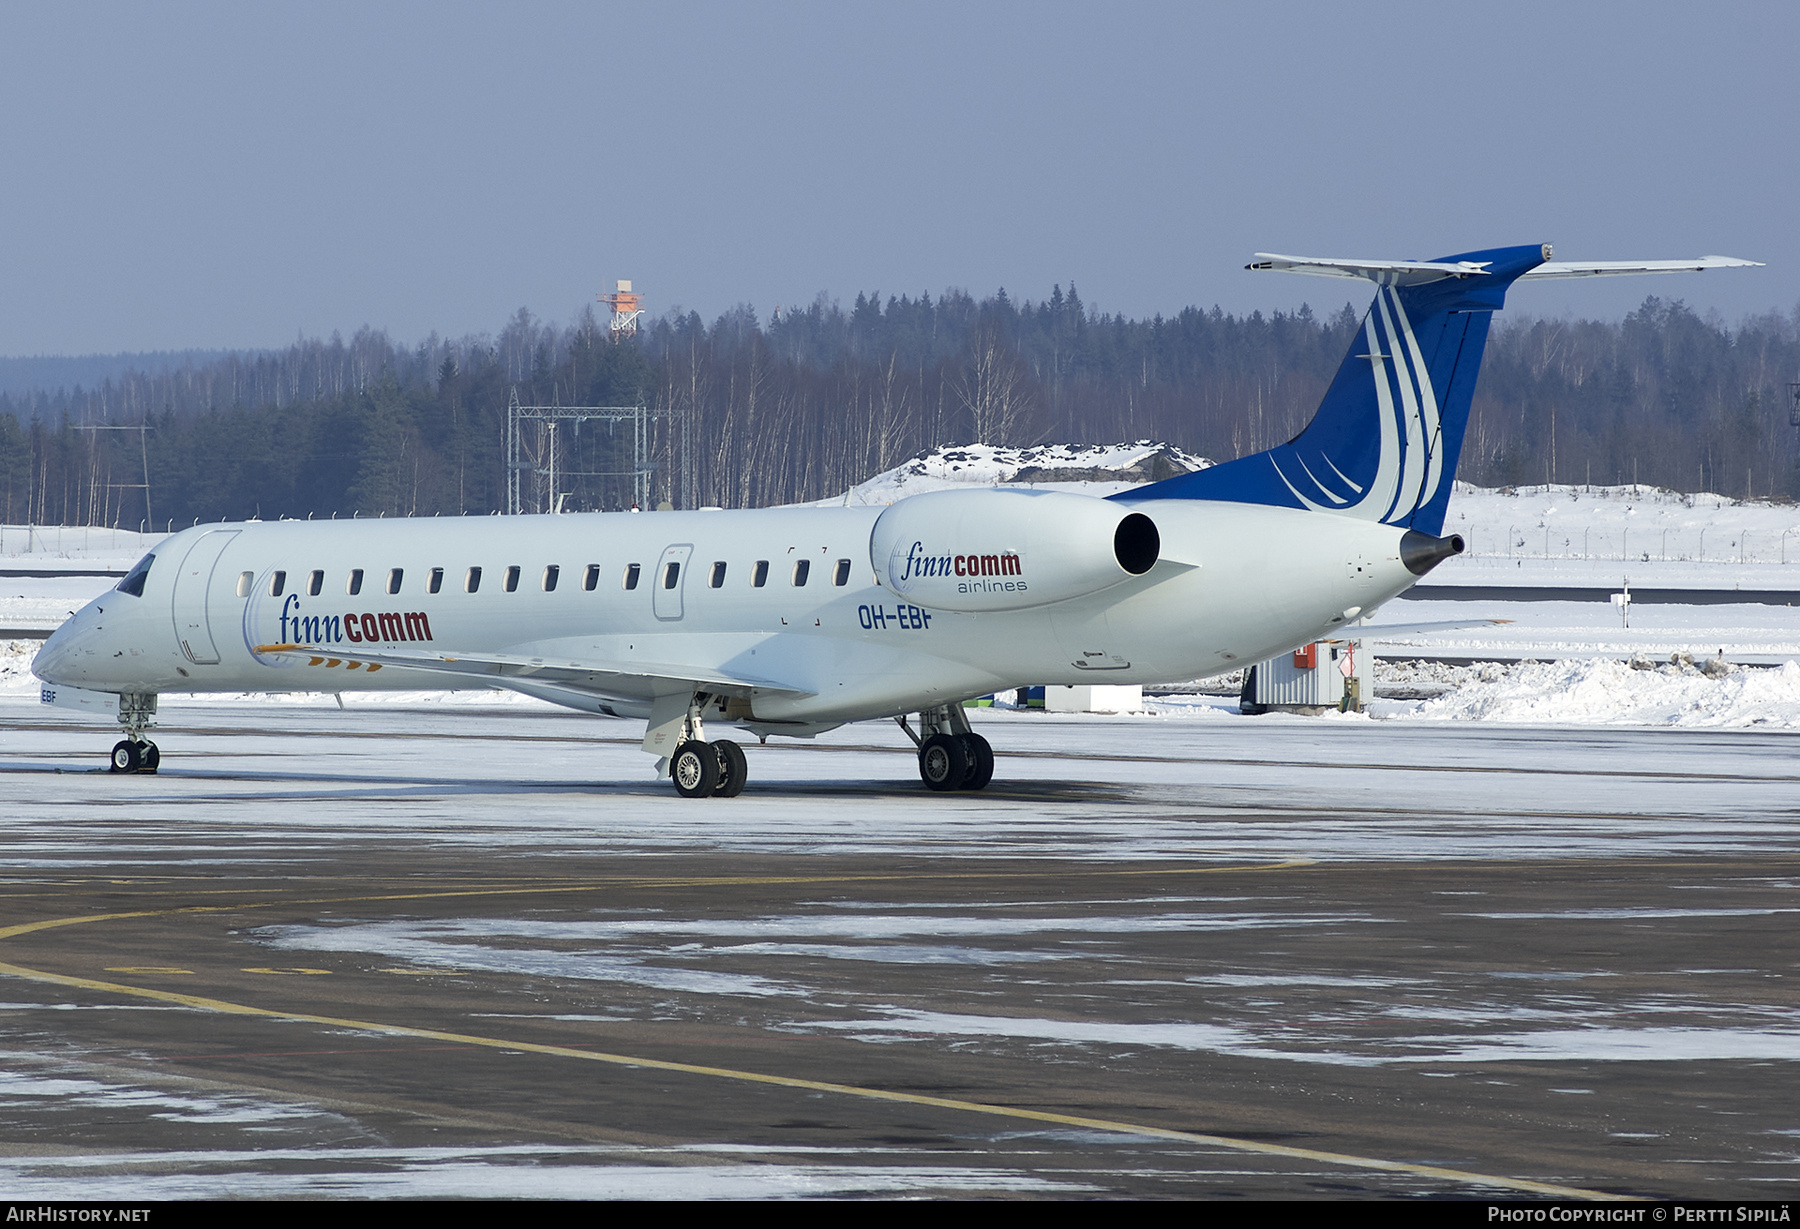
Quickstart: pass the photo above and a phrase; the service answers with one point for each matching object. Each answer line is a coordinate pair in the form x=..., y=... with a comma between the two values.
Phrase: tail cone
x=1421, y=552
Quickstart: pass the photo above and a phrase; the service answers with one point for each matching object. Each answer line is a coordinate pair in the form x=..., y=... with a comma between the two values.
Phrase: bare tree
x=993, y=388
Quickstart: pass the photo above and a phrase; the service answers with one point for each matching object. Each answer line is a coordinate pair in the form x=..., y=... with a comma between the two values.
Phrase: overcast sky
x=233, y=175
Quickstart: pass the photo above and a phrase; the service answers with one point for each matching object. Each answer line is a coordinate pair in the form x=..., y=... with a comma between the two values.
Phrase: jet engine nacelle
x=1007, y=550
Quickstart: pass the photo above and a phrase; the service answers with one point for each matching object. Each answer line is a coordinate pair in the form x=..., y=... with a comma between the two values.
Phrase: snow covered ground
x=1594, y=535
x=55, y=547
x=1091, y=980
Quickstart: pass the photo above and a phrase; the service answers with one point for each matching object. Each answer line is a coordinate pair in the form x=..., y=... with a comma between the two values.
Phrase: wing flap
x=489, y=668
x=1379, y=632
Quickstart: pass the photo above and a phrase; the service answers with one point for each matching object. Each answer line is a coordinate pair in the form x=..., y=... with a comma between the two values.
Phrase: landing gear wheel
x=151, y=759
x=125, y=757
x=733, y=770
x=695, y=769
x=981, y=761
x=944, y=762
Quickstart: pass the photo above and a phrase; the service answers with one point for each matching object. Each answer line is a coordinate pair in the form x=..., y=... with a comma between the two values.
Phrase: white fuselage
x=1234, y=583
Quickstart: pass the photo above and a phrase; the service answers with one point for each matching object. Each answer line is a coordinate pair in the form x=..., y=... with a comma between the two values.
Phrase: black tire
x=733, y=770
x=152, y=758
x=125, y=757
x=981, y=761
x=1247, y=704
x=695, y=769
x=943, y=762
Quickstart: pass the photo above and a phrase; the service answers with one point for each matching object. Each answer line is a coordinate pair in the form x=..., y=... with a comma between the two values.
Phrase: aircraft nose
x=52, y=661
x=58, y=661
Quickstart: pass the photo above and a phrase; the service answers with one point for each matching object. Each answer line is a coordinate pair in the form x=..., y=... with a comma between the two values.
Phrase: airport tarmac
x=473, y=947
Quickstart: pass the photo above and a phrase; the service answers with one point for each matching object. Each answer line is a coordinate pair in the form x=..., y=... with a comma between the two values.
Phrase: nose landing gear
x=139, y=756
x=134, y=752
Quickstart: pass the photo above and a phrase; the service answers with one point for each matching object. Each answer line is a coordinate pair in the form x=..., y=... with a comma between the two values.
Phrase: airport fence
x=1711, y=544
x=73, y=541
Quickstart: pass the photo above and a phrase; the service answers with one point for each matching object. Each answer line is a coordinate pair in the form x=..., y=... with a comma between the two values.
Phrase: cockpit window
x=134, y=579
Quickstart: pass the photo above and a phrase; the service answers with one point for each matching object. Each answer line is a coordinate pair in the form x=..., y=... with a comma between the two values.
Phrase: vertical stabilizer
x=1384, y=443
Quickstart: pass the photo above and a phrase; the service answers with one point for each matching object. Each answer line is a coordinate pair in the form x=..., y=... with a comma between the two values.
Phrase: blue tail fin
x=1384, y=443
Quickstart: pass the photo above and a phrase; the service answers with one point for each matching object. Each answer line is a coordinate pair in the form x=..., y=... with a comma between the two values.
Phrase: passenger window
x=631, y=576
x=550, y=575
x=512, y=579
x=760, y=576
x=591, y=579
x=717, y=579
x=246, y=582
x=277, y=583
x=355, y=585
x=315, y=584
x=473, y=582
x=436, y=582
x=134, y=579
x=840, y=575
x=671, y=574
x=394, y=575
x=801, y=568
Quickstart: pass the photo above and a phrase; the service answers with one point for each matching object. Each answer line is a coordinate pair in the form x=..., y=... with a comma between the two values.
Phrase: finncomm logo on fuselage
x=355, y=627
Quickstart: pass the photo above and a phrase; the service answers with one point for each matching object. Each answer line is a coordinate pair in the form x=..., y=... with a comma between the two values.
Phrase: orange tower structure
x=625, y=310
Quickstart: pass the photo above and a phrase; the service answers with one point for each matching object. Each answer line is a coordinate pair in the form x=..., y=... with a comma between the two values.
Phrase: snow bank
x=1599, y=692
x=1101, y=469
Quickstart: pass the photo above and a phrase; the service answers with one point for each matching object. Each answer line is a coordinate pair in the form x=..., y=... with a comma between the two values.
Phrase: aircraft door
x=669, y=580
x=193, y=581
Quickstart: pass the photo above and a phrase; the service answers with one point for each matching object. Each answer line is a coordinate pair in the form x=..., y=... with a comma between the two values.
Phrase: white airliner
x=797, y=620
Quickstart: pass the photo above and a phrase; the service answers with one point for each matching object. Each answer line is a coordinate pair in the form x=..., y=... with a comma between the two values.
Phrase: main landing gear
x=700, y=769
x=951, y=755
x=134, y=752
x=709, y=770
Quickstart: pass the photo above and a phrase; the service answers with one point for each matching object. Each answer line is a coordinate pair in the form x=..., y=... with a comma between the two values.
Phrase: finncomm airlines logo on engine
x=973, y=573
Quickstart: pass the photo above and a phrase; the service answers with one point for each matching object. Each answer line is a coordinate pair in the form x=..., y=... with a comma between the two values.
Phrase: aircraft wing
x=486, y=669
x=1625, y=268
x=1389, y=630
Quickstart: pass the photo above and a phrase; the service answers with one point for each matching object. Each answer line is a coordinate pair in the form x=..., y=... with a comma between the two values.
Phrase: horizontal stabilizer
x=1385, y=272
x=1421, y=272
x=1627, y=268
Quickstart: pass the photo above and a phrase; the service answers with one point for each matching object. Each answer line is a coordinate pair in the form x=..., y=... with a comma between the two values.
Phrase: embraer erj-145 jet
x=797, y=620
